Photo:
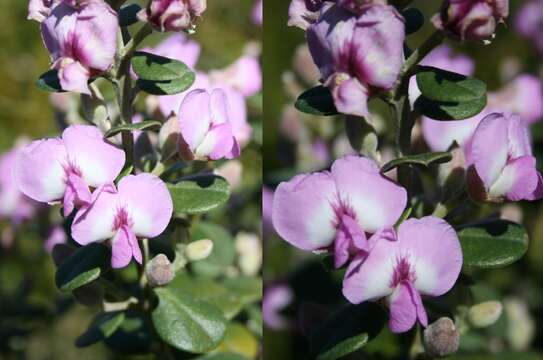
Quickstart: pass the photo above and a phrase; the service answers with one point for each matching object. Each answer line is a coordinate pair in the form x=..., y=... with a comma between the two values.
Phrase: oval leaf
x=347, y=330
x=209, y=291
x=222, y=356
x=144, y=125
x=414, y=20
x=420, y=159
x=223, y=254
x=103, y=326
x=49, y=81
x=317, y=101
x=447, y=111
x=186, y=323
x=128, y=15
x=158, y=68
x=249, y=289
x=493, y=244
x=445, y=86
x=199, y=194
x=82, y=267
x=170, y=87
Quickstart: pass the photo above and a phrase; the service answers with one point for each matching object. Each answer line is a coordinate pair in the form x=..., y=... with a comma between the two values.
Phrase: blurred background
x=36, y=320
x=297, y=285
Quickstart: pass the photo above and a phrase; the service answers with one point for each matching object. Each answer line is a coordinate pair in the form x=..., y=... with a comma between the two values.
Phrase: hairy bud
x=485, y=314
x=441, y=338
x=199, y=250
x=173, y=15
x=159, y=271
x=472, y=19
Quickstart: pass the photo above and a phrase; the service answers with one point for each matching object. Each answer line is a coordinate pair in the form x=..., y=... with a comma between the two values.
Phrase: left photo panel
x=130, y=179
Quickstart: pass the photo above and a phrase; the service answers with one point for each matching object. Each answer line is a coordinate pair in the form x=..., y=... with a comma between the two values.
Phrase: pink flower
x=424, y=260
x=357, y=55
x=502, y=164
x=303, y=13
x=471, y=19
x=528, y=22
x=258, y=12
x=81, y=40
x=173, y=15
x=39, y=10
x=244, y=75
x=206, y=131
x=180, y=47
x=141, y=206
x=522, y=96
x=13, y=204
x=337, y=210
x=276, y=298
x=56, y=236
x=63, y=168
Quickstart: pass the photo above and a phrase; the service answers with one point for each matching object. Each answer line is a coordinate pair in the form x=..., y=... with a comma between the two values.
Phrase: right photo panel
x=403, y=150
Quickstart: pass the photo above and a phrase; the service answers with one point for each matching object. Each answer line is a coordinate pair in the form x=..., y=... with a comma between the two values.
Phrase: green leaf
x=199, y=194
x=49, y=81
x=128, y=15
x=255, y=319
x=445, y=86
x=159, y=68
x=238, y=339
x=159, y=75
x=249, y=289
x=82, y=267
x=317, y=101
x=347, y=330
x=425, y=159
x=102, y=327
x=414, y=20
x=144, y=125
x=493, y=244
x=208, y=290
x=133, y=336
x=170, y=87
x=447, y=111
x=223, y=254
x=361, y=135
x=222, y=356
x=187, y=323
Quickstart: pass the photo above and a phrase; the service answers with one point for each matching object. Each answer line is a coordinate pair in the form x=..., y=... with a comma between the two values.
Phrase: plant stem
x=412, y=61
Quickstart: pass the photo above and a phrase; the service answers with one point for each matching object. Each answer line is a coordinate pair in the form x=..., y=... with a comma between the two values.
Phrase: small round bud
x=159, y=271
x=199, y=250
x=441, y=338
x=485, y=314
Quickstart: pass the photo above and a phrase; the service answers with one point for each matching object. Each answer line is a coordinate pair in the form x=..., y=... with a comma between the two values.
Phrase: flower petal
x=40, y=170
x=518, y=180
x=302, y=211
x=73, y=76
x=217, y=143
x=148, y=202
x=433, y=248
x=99, y=161
x=121, y=248
x=490, y=148
x=376, y=200
x=195, y=117
x=95, y=222
x=350, y=95
x=403, y=312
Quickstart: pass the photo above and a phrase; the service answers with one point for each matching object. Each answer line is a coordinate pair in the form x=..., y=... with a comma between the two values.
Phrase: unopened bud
x=173, y=15
x=485, y=314
x=199, y=250
x=441, y=338
x=159, y=271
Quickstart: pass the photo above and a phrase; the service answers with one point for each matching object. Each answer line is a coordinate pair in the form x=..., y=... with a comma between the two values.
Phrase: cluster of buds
x=474, y=20
x=173, y=15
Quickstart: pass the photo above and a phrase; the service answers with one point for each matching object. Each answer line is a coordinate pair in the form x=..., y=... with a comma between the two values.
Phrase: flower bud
x=471, y=19
x=249, y=248
x=159, y=271
x=77, y=61
x=441, y=338
x=485, y=314
x=173, y=15
x=199, y=250
x=357, y=54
